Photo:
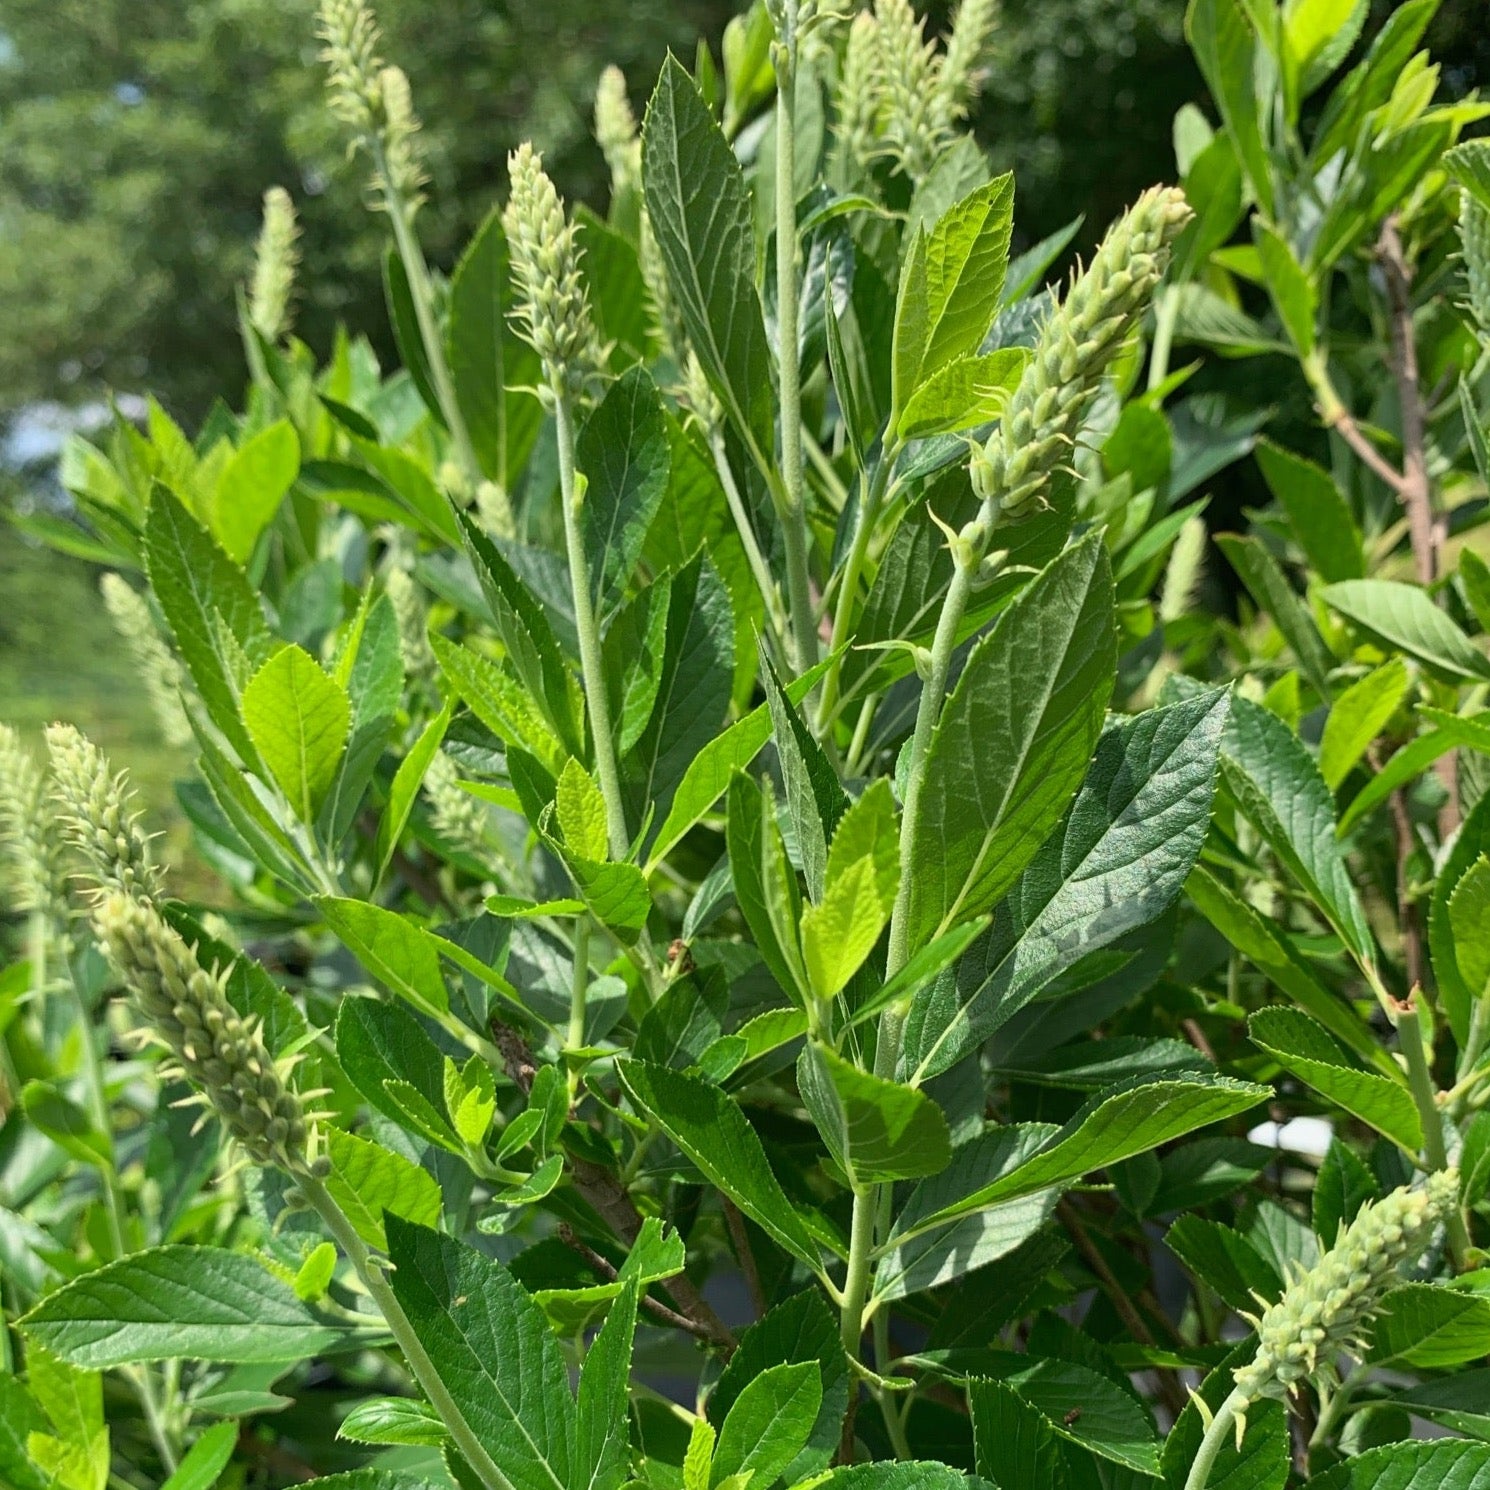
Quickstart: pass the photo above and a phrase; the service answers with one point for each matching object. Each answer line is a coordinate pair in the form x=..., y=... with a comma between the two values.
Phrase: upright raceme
x=34, y=879
x=275, y=261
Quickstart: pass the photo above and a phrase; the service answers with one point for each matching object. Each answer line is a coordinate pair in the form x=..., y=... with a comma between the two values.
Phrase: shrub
x=758, y=906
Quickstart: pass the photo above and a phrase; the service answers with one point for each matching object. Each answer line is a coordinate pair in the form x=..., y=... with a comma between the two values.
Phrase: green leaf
x=177, y=1302
x=815, y=799
x=392, y=949
x=616, y=894
x=405, y=788
x=765, y=884
x=1455, y=996
x=493, y=1351
x=1119, y=860
x=1271, y=590
x=1293, y=295
x=968, y=391
x=1403, y=616
x=366, y=1180
x=1445, y=1465
x=602, y=1459
x=1115, y=1126
x=800, y=1330
x=875, y=1129
x=1469, y=922
x=625, y=452
x=499, y=701
x=1013, y=741
x=1013, y=1442
x=1357, y=717
x=487, y=363
x=56, y=1115
x=1300, y=1045
x=1344, y=1185
x=709, y=773
x=950, y=288
x=1224, y=1260
x=400, y=1420
x=380, y=1043
x=633, y=653
x=768, y=1424
x=1278, y=786
x=910, y=1474
x=298, y=719
x=1430, y=1328
x=212, y=611
x=1221, y=38
x=523, y=625
x=863, y=873
x=700, y=212
x=1110, y=1424
x=20, y=1418
x=252, y=485
x=579, y=810
x=1460, y=1402
x=709, y=1127
x=206, y=1459
x=1318, y=513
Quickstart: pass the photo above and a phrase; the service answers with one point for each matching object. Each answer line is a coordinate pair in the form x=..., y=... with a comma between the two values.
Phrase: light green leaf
x=401, y=1420
x=709, y=1127
x=366, y=1180
x=966, y=392
x=1403, y=616
x=768, y=1424
x=1469, y=923
x=1119, y=860
x=765, y=884
x=298, y=719
x=493, y=1350
x=405, y=788
x=1293, y=295
x=1317, y=511
x=205, y=1460
x=579, y=810
x=1357, y=717
x=1445, y=1465
x=1300, y=1045
x=701, y=214
x=499, y=701
x=252, y=485
x=1013, y=741
x=877, y=1130
x=177, y=1302
x=1278, y=786
x=53, y=1113
x=392, y=949
x=1221, y=38
x=863, y=874
x=20, y=1418
x=1270, y=588
x=950, y=288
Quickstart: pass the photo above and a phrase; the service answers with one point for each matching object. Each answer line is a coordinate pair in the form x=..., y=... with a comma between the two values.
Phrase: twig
x=1169, y=1388
x=651, y=1305
x=745, y=1255
x=1339, y=419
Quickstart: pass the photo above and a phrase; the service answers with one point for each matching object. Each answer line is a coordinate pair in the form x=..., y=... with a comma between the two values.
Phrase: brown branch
x=610, y=1274
x=1170, y=1389
x=1343, y=423
x=745, y=1254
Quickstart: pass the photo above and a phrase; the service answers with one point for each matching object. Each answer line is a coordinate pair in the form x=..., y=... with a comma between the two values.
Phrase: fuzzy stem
x=792, y=497
x=421, y=294
x=848, y=586
x=1215, y=1438
x=856, y=1280
x=425, y=1371
x=590, y=660
x=579, y=991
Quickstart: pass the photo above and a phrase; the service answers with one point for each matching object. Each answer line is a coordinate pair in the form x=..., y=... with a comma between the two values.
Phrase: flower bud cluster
x=553, y=307
x=912, y=123
x=1326, y=1307
x=616, y=132
x=98, y=815
x=275, y=261
x=962, y=71
x=154, y=664
x=188, y=1011
x=457, y=817
x=34, y=879
x=1077, y=344
x=408, y=610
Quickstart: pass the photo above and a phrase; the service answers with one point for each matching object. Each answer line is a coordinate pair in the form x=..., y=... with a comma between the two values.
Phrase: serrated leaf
x=1404, y=617
x=1118, y=861
x=579, y=810
x=1293, y=296
x=499, y=701
x=367, y=1179
x=1278, y=786
x=400, y=1420
x=1446, y=1465
x=1430, y=1328
x=708, y=1125
x=768, y=1424
x=298, y=719
x=405, y=788
x=966, y=392
x=1225, y=1260
x=493, y=1351
x=391, y=948
x=1344, y=1185
x=1263, y=1460
x=1303, y=1047
x=1013, y=741
x=877, y=1130
x=1271, y=590
x=1469, y=923
x=174, y=1302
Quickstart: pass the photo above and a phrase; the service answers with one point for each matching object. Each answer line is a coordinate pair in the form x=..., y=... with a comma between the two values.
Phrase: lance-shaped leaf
x=298, y=719
x=1118, y=861
x=768, y=1424
x=700, y=212
x=1277, y=785
x=1013, y=741
x=1405, y=617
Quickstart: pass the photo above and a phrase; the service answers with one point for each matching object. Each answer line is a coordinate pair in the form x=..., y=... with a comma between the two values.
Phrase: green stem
x=856, y=1280
x=592, y=667
x=1215, y=1438
x=848, y=586
x=889, y=1407
x=421, y=293
x=424, y=1369
x=1425, y=1099
x=578, y=994
x=764, y=580
x=792, y=498
x=1166, y=314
